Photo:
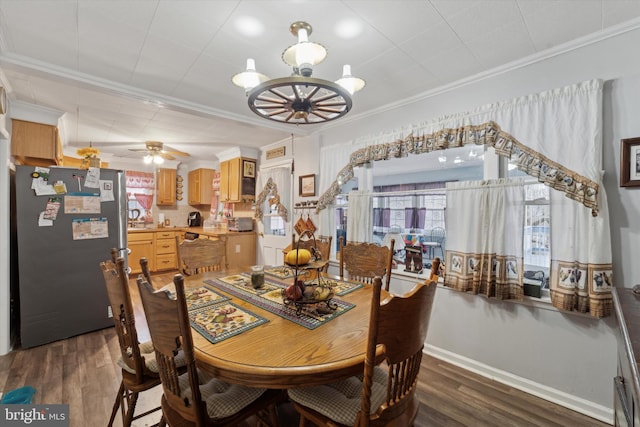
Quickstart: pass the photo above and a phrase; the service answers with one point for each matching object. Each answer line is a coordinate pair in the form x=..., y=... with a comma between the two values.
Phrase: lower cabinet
x=166, y=252
x=241, y=249
x=159, y=247
x=141, y=245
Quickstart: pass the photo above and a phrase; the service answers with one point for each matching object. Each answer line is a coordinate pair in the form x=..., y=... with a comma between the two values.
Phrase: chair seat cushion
x=340, y=401
x=149, y=354
x=222, y=399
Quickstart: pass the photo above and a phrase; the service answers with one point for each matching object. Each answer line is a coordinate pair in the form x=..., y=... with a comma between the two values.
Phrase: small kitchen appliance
x=194, y=219
x=240, y=224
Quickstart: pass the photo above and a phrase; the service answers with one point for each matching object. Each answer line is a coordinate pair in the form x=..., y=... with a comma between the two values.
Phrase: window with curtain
x=140, y=187
x=484, y=249
x=273, y=200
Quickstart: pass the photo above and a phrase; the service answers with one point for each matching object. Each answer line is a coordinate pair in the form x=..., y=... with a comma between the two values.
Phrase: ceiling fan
x=157, y=152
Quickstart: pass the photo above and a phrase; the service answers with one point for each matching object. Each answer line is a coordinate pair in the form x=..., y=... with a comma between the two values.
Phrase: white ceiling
x=126, y=71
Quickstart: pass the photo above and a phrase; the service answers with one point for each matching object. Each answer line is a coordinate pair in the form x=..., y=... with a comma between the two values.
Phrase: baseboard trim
x=583, y=406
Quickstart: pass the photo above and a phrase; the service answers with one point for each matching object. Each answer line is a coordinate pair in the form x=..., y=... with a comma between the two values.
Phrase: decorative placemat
x=271, y=300
x=243, y=283
x=218, y=322
x=196, y=298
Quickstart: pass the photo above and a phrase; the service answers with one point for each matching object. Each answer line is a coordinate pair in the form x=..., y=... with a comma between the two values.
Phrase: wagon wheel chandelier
x=299, y=98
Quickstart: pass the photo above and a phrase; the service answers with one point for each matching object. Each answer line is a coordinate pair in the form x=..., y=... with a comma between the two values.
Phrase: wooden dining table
x=283, y=354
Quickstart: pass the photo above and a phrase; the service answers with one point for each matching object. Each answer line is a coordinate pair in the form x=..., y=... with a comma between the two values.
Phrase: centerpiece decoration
x=300, y=294
x=89, y=156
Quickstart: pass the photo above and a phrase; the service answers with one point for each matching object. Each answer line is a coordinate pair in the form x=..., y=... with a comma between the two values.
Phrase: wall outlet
x=109, y=312
x=237, y=249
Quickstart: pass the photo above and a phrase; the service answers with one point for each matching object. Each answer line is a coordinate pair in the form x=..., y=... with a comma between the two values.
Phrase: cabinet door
x=35, y=143
x=139, y=249
x=200, y=186
x=234, y=180
x=166, y=187
x=241, y=249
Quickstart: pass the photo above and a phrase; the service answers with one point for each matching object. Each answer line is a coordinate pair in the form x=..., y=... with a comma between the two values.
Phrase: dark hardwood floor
x=81, y=371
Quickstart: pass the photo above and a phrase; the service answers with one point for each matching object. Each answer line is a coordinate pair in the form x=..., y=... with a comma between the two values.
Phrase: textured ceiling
x=126, y=71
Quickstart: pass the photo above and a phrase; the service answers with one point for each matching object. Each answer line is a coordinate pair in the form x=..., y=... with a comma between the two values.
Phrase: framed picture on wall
x=307, y=187
x=630, y=162
x=248, y=169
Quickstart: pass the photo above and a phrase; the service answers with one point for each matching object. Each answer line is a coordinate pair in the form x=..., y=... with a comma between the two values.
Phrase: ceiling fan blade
x=175, y=152
x=142, y=150
x=166, y=156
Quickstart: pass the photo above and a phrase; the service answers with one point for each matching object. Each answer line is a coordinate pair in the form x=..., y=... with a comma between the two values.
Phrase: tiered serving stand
x=307, y=291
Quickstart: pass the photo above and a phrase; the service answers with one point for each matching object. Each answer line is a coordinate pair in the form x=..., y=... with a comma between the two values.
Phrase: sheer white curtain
x=332, y=159
x=581, y=271
x=485, y=223
x=359, y=219
x=274, y=182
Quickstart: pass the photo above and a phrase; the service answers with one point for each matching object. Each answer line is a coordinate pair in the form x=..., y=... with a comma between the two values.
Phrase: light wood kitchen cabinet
x=241, y=249
x=236, y=184
x=201, y=186
x=141, y=245
x=165, y=251
x=165, y=187
x=35, y=144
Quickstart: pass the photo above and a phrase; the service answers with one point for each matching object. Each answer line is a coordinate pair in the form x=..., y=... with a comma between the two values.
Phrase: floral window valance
x=137, y=179
x=574, y=185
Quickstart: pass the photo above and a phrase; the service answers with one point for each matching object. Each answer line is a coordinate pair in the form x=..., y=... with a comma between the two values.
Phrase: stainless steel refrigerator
x=60, y=284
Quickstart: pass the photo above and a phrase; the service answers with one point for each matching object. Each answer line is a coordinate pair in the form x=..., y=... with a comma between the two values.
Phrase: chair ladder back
x=171, y=332
x=364, y=261
x=117, y=284
x=201, y=255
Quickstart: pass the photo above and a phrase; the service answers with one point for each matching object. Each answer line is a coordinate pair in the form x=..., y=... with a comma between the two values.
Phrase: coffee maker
x=194, y=219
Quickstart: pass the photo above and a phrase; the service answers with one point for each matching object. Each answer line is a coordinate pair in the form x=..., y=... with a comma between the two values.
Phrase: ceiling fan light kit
x=157, y=154
x=299, y=98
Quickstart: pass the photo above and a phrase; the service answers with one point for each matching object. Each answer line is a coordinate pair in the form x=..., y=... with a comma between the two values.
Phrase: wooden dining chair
x=200, y=255
x=364, y=261
x=146, y=272
x=387, y=390
x=320, y=243
x=137, y=360
x=195, y=399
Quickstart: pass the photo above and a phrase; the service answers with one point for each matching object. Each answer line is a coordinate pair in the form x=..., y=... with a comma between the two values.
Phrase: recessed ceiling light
x=348, y=28
x=249, y=26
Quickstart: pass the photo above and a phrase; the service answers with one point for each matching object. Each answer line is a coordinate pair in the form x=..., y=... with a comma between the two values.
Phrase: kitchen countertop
x=199, y=230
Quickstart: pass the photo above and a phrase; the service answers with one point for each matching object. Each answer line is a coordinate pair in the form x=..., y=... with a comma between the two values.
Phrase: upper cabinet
x=165, y=187
x=237, y=180
x=201, y=186
x=35, y=143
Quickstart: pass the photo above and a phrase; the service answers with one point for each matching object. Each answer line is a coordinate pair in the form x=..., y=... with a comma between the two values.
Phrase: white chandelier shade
x=299, y=98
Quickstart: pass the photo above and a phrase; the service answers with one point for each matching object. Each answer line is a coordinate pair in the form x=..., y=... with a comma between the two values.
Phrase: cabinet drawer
x=165, y=235
x=139, y=237
x=166, y=262
x=166, y=246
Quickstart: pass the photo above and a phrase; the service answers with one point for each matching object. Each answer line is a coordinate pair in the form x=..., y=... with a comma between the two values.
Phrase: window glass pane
x=273, y=223
x=409, y=197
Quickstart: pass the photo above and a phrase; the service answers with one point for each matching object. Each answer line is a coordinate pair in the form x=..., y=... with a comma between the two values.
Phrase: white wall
x=568, y=358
